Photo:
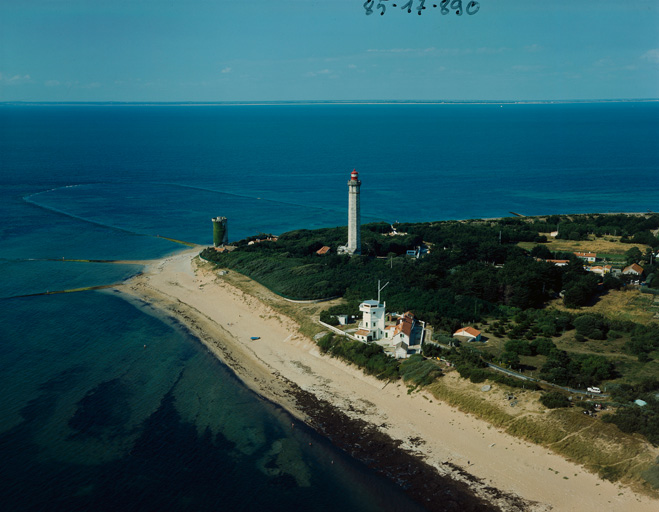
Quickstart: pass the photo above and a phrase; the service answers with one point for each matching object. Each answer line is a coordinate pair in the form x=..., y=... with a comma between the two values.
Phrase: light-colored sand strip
x=225, y=318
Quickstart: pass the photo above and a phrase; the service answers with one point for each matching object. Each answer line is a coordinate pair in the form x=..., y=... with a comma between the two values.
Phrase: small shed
x=401, y=350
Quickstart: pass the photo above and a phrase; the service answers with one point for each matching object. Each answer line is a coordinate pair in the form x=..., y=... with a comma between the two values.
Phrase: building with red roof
x=468, y=334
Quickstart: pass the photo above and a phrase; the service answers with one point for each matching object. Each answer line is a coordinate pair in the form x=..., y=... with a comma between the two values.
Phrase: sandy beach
x=502, y=470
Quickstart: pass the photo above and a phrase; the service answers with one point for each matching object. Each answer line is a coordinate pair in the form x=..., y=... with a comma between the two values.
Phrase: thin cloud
x=390, y=50
x=226, y=70
x=491, y=51
x=16, y=79
x=651, y=56
x=485, y=50
x=401, y=50
x=521, y=67
x=606, y=62
x=319, y=73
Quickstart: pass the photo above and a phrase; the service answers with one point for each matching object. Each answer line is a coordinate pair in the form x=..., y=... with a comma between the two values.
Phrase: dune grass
x=598, y=446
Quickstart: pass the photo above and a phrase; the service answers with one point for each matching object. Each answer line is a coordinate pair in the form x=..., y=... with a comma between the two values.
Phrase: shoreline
x=375, y=422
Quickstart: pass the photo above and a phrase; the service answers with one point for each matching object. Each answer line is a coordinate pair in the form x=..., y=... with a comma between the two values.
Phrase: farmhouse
x=590, y=257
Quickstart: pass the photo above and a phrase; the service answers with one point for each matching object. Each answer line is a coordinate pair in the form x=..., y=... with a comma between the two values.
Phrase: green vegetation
x=631, y=417
x=369, y=357
x=554, y=400
x=419, y=371
x=483, y=272
x=416, y=370
x=631, y=228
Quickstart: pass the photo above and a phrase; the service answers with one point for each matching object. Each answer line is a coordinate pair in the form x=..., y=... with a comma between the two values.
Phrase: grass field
x=606, y=245
x=629, y=304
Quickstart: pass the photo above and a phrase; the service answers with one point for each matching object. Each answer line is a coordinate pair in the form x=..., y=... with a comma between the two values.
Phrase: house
x=364, y=335
x=633, y=270
x=590, y=257
x=399, y=340
x=404, y=336
x=267, y=239
x=558, y=263
x=468, y=334
x=225, y=248
x=601, y=270
x=323, y=250
x=403, y=331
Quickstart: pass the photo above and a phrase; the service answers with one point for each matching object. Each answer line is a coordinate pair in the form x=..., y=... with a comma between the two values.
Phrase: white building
x=372, y=326
x=590, y=257
x=399, y=340
x=633, y=269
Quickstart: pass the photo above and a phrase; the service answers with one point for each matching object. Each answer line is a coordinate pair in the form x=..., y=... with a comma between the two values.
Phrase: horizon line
x=335, y=102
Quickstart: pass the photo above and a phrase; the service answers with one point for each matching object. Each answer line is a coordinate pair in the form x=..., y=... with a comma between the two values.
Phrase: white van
x=594, y=390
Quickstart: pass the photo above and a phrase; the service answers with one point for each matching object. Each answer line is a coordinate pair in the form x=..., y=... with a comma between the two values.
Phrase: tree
x=633, y=255
x=542, y=346
x=541, y=251
x=510, y=359
x=519, y=347
x=580, y=291
x=554, y=400
x=591, y=326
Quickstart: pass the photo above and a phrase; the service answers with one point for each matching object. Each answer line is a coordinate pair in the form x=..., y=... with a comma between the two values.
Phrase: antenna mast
x=380, y=289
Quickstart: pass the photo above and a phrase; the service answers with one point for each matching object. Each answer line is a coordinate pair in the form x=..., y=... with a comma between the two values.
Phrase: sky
x=298, y=50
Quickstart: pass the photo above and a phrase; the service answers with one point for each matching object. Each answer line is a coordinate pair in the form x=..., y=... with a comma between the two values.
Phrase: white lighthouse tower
x=354, y=216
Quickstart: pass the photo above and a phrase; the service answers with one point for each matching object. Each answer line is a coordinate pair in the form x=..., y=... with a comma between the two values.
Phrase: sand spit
x=413, y=439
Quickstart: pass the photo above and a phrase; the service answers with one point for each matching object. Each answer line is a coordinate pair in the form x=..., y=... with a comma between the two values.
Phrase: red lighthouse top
x=353, y=175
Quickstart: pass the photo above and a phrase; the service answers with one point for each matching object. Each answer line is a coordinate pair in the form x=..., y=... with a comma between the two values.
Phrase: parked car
x=593, y=389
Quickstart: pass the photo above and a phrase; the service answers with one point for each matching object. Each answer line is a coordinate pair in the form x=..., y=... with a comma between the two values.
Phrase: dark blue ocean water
x=89, y=419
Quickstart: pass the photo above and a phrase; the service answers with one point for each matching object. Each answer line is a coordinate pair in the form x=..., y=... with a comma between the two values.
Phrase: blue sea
x=89, y=419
